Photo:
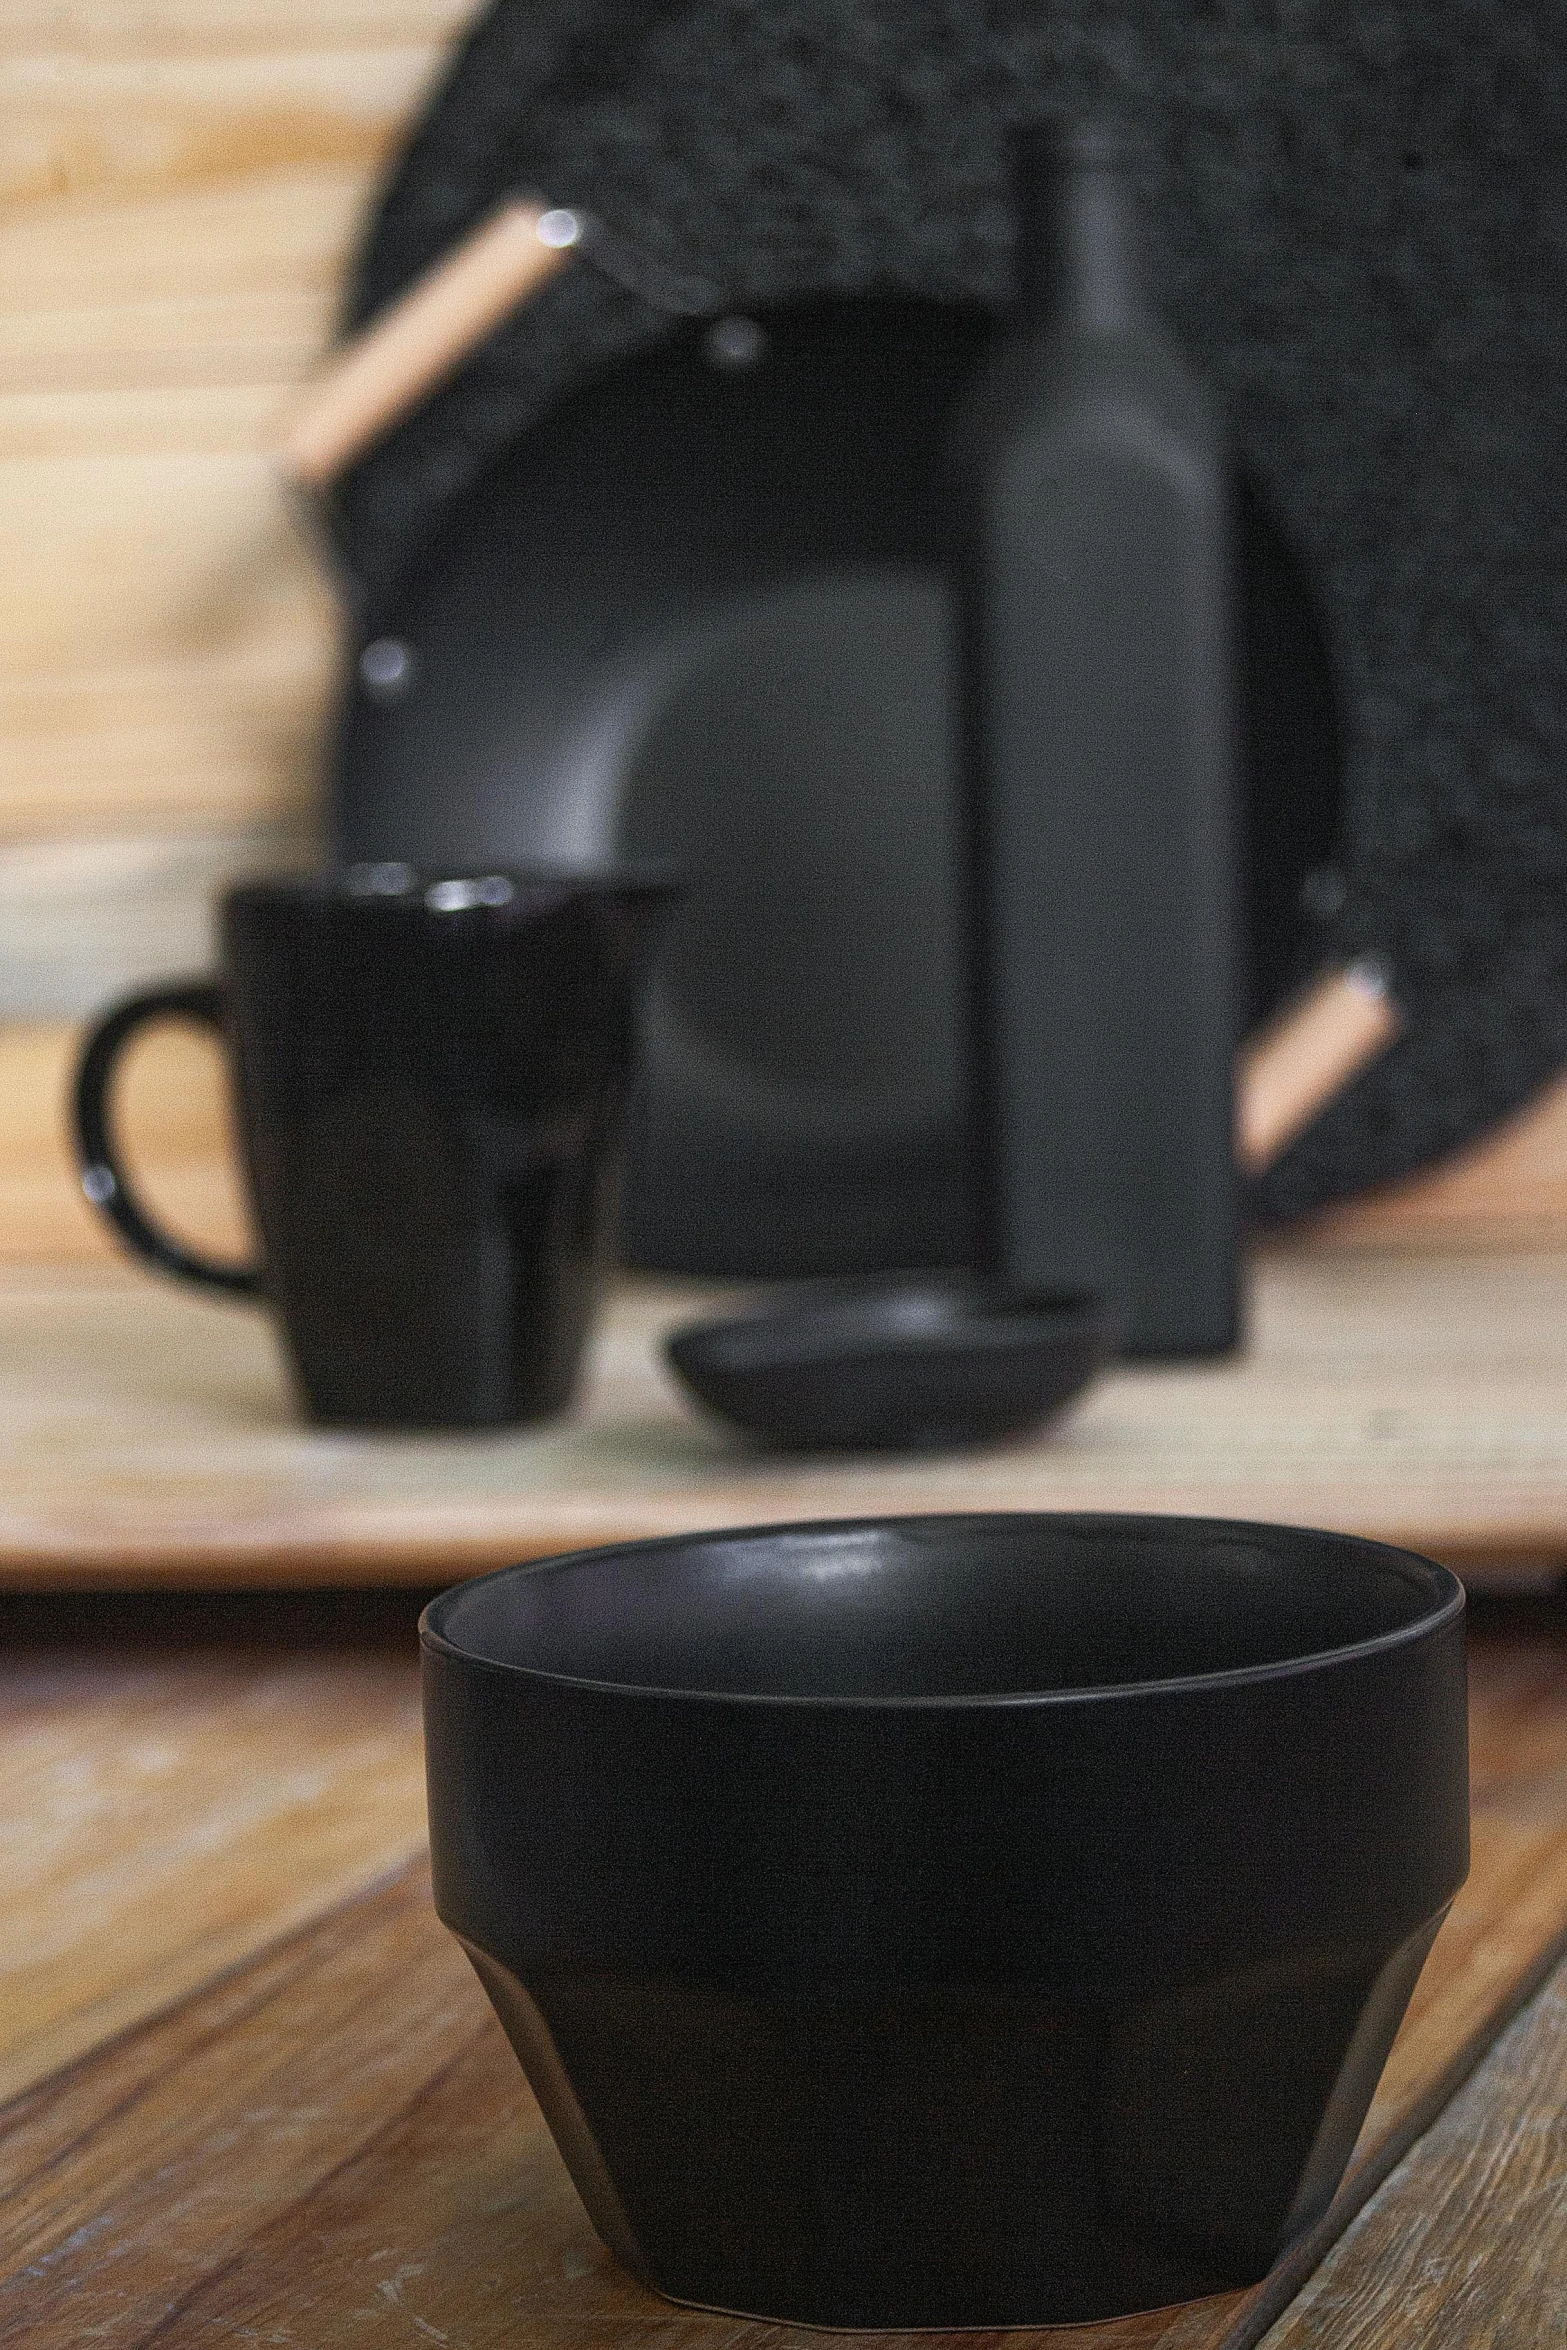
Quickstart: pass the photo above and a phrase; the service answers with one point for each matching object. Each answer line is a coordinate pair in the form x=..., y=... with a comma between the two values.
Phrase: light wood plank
x=187, y=690
x=200, y=520
x=195, y=698
x=161, y=1819
x=85, y=919
x=203, y=28
x=147, y=1433
x=149, y=418
x=146, y=111
x=169, y=271
x=180, y=187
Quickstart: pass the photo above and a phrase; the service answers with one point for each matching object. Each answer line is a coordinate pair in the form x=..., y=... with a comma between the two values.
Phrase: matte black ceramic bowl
x=910, y=1363
x=970, y=1921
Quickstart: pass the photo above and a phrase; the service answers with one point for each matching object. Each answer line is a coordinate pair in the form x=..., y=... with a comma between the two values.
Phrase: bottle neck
x=1079, y=257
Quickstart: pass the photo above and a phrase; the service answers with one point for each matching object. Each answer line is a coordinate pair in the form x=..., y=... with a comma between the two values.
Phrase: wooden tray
x=332, y=2145
x=147, y=1437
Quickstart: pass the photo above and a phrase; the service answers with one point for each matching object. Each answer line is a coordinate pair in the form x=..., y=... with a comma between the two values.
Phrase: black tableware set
x=432, y=1071
x=693, y=559
x=927, y=1922
x=1352, y=230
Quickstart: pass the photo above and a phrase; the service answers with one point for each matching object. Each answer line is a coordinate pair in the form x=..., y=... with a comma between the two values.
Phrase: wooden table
x=254, y=2094
x=147, y=1435
x=257, y=2097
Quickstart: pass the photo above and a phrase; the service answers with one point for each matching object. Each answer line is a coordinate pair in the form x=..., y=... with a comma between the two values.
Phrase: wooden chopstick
x=1308, y=1055
x=421, y=339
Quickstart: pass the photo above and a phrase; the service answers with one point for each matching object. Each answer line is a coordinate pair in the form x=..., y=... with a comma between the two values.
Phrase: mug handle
x=103, y=1178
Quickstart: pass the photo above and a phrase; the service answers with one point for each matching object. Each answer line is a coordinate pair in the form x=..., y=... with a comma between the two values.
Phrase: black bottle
x=1100, y=746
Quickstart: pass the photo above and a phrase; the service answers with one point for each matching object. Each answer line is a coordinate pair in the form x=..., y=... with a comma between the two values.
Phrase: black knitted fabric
x=1360, y=217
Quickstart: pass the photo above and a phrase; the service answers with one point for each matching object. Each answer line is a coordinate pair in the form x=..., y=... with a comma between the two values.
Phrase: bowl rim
x=831, y=1329
x=1449, y=1605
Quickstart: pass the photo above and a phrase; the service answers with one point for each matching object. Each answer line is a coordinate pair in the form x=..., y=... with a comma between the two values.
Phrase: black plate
x=906, y=1365
x=699, y=613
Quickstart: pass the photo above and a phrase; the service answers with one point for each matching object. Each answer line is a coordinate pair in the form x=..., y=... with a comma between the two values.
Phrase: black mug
x=949, y=1922
x=431, y=1077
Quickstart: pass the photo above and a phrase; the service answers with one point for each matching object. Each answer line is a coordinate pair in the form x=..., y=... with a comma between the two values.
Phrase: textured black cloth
x=1360, y=219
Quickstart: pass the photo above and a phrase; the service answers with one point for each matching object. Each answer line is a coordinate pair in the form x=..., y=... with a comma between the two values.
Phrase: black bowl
x=914, y=1364
x=943, y=1922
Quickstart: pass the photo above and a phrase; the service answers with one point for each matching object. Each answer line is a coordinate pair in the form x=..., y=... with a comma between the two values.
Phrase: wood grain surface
x=333, y=2144
x=1465, y=2247
x=180, y=186
x=148, y=1435
x=173, y=1796
x=1506, y=1192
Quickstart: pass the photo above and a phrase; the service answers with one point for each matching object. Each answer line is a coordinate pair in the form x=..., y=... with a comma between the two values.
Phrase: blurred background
x=181, y=183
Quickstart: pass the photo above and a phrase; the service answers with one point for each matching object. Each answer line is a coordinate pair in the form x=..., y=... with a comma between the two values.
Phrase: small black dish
x=911, y=1364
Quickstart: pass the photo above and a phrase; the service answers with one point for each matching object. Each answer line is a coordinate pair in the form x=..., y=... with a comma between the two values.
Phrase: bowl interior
x=932, y=1608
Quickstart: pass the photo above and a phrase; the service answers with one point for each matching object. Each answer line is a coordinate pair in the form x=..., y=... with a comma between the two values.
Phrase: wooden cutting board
x=147, y=1437
x=333, y=2146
